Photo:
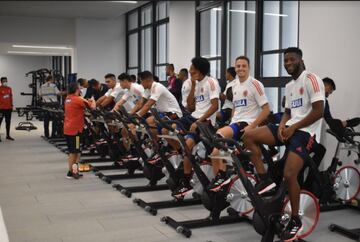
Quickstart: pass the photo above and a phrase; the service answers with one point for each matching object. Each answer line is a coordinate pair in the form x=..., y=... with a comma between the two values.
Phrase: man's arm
x=138, y=105
x=265, y=111
x=191, y=97
x=106, y=101
x=119, y=104
x=146, y=107
x=315, y=114
x=213, y=108
x=100, y=100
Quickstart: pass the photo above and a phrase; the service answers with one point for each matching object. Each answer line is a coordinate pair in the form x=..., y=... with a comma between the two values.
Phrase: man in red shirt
x=6, y=105
x=74, y=125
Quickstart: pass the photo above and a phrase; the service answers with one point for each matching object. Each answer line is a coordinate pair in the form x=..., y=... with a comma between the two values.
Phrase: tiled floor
x=40, y=204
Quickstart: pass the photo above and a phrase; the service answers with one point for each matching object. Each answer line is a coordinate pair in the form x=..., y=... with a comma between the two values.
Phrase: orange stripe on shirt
x=212, y=84
x=258, y=88
x=314, y=83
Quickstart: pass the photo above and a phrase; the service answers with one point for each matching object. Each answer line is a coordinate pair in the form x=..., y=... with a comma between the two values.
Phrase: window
x=147, y=39
x=162, y=40
x=210, y=38
x=260, y=30
x=241, y=32
x=280, y=31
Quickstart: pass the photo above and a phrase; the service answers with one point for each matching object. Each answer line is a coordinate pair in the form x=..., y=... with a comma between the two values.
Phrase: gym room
x=199, y=121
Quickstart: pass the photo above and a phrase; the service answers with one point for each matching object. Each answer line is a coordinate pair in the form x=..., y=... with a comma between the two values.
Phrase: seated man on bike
x=304, y=107
x=113, y=95
x=226, y=110
x=251, y=108
x=161, y=98
x=203, y=102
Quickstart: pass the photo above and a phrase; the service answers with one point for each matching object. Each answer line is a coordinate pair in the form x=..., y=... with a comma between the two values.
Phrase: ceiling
x=68, y=9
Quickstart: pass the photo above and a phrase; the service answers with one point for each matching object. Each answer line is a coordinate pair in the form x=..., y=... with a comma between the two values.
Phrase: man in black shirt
x=97, y=89
x=330, y=87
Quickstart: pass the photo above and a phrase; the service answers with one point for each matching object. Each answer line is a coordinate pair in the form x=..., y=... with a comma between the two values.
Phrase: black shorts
x=73, y=143
x=301, y=143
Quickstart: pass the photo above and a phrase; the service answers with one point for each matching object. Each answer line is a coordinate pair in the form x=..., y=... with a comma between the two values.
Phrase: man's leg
x=46, y=125
x=253, y=139
x=294, y=164
x=8, y=114
x=218, y=164
x=1, y=118
x=184, y=186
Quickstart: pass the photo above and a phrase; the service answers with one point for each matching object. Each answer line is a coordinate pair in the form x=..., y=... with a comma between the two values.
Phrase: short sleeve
x=115, y=93
x=108, y=92
x=56, y=90
x=214, y=89
x=259, y=92
x=287, y=96
x=156, y=92
x=315, y=88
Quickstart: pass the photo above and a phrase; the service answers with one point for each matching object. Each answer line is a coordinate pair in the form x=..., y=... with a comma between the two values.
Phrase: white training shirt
x=165, y=100
x=134, y=94
x=248, y=98
x=205, y=90
x=300, y=94
x=185, y=90
x=117, y=93
x=48, y=92
x=228, y=103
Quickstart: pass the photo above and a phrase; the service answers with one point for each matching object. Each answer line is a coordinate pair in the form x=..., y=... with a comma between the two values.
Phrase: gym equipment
x=215, y=202
x=28, y=126
x=347, y=179
x=271, y=213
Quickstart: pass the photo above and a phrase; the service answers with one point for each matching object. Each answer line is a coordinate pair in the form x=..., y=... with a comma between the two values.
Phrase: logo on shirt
x=202, y=89
x=245, y=93
x=301, y=91
x=240, y=103
x=296, y=103
x=68, y=101
x=199, y=98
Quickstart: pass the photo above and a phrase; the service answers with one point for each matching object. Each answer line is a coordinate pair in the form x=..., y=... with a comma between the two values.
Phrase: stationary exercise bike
x=272, y=212
x=215, y=202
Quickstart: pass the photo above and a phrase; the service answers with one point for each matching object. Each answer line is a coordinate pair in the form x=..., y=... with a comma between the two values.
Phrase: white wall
x=31, y=30
x=14, y=67
x=329, y=38
x=100, y=47
x=181, y=33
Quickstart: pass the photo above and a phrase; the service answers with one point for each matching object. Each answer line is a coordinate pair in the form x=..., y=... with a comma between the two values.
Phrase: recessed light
x=42, y=47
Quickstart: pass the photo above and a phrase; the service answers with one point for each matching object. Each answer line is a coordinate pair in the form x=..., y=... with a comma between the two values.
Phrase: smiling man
x=304, y=107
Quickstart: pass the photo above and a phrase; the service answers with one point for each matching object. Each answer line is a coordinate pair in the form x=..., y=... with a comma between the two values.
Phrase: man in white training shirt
x=113, y=95
x=304, y=107
x=135, y=94
x=225, y=112
x=250, y=109
x=186, y=87
x=203, y=102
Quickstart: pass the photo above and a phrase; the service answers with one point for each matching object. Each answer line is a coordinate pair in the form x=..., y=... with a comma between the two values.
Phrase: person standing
x=74, y=126
x=6, y=106
x=49, y=94
x=174, y=84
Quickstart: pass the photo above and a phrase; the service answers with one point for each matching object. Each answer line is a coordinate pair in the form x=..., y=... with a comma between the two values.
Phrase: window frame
x=275, y=82
x=153, y=25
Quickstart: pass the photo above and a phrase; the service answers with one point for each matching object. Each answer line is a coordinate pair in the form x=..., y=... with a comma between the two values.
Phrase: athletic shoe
x=182, y=190
x=71, y=175
x=264, y=186
x=9, y=138
x=292, y=229
x=220, y=180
